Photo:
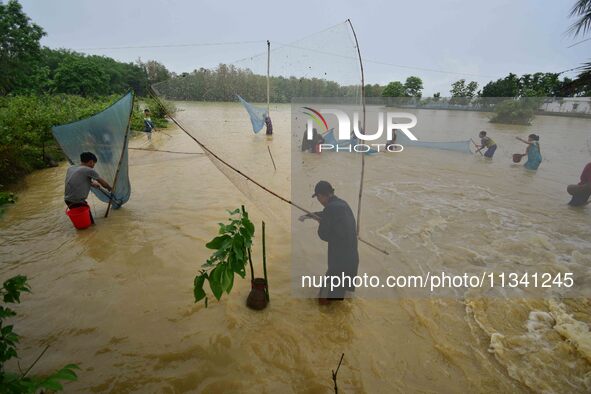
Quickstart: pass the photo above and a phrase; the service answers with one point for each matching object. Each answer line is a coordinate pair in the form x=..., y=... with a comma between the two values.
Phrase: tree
x=505, y=87
x=540, y=85
x=462, y=93
x=373, y=90
x=394, y=89
x=155, y=71
x=581, y=85
x=413, y=87
x=78, y=76
x=19, y=45
x=582, y=10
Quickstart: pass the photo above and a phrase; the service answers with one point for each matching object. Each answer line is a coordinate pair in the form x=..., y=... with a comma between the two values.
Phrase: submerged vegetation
x=520, y=111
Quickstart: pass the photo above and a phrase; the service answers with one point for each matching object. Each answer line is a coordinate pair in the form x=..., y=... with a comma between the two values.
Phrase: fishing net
x=104, y=134
x=257, y=115
x=458, y=146
x=323, y=64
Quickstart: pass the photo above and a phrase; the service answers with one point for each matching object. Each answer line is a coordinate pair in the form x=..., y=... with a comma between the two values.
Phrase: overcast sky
x=484, y=40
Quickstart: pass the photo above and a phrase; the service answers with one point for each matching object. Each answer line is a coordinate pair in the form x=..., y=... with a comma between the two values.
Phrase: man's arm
x=100, y=181
x=313, y=215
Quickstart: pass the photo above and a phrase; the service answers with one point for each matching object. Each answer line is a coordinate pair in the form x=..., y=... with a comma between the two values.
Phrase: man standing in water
x=268, y=124
x=80, y=178
x=337, y=227
x=148, y=124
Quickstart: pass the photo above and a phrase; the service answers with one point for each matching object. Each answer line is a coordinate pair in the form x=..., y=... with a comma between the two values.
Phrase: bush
x=26, y=141
x=515, y=111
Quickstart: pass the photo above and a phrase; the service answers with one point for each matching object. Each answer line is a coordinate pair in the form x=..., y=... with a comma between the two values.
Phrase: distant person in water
x=79, y=180
x=488, y=143
x=148, y=124
x=317, y=140
x=582, y=191
x=313, y=144
x=390, y=142
x=534, y=156
x=337, y=226
x=268, y=124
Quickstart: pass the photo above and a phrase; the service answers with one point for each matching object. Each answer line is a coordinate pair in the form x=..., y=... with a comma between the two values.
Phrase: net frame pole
x=125, y=140
x=363, y=126
x=268, y=78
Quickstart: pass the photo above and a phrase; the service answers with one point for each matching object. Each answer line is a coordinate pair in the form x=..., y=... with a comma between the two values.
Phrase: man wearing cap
x=337, y=226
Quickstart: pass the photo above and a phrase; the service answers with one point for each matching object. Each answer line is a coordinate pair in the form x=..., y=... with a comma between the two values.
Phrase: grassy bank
x=26, y=141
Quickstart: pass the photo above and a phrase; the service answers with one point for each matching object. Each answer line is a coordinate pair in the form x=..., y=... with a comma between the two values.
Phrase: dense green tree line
x=27, y=68
x=225, y=81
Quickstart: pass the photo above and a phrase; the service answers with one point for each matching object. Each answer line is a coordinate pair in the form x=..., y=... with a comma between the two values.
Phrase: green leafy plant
x=516, y=111
x=232, y=250
x=22, y=382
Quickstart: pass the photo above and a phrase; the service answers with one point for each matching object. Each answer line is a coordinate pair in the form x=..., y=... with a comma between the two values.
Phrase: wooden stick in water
x=265, y=264
x=334, y=374
x=274, y=166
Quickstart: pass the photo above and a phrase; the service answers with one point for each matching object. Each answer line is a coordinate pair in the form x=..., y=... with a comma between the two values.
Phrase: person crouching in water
x=79, y=180
x=534, y=156
x=488, y=143
x=582, y=191
x=337, y=226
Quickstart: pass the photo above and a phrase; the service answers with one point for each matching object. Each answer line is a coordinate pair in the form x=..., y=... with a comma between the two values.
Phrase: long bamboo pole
x=122, y=154
x=362, y=131
x=265, y=264
x=268, y=78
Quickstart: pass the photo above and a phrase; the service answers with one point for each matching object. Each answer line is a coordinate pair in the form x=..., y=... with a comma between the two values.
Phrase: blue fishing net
x=105, y=135
x=257, y=115
x=458, y=146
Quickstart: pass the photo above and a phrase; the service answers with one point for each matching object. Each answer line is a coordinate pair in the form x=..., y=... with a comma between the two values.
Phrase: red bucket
x=80, y=217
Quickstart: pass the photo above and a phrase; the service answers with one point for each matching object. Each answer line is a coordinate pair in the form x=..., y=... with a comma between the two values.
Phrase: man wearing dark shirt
x=269, y=125
x=337, y=227
x=582, y=191
x=79, y=180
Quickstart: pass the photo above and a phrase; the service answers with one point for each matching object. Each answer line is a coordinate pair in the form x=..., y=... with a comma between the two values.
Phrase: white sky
x=486, y=38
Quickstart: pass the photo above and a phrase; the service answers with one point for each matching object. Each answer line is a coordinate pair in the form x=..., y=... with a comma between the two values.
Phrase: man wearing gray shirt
x=79, y=180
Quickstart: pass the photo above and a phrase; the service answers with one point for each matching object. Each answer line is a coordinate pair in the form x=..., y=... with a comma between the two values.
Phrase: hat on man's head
x=323, y=188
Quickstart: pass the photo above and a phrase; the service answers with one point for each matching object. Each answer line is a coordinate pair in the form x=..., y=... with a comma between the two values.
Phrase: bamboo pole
x=121, y=157
x=362, y=131
x=265, y=264
x=249, y=255
x=268, y=81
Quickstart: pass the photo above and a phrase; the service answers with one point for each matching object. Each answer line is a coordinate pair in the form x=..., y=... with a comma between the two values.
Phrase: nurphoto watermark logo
x=349, y=136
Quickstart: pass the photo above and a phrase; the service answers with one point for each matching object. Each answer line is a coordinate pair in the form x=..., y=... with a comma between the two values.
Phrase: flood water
x=117, y=298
